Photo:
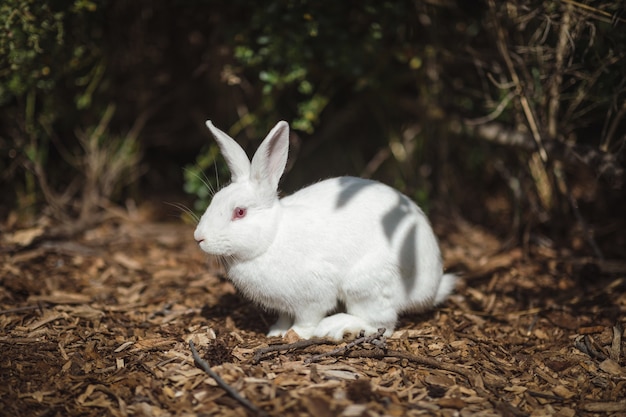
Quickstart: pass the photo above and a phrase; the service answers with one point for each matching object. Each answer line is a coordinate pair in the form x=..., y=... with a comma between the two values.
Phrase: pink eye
x=239, y=213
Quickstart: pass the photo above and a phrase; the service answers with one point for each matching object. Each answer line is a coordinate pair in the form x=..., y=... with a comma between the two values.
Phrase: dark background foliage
x=509, y=114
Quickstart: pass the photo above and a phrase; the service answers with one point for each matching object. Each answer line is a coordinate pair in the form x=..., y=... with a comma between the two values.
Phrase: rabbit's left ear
x=234, y=155
x=268, y=163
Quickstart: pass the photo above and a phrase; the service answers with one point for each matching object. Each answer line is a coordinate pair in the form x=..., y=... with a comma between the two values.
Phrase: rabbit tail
x=446, y=286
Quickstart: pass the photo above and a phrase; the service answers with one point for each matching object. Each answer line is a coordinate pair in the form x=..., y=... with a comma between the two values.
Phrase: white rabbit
x=343, y=244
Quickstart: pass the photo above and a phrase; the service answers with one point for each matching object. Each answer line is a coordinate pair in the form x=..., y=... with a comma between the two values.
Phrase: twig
x=603, y=163
x=584, y=90
x=523, y=99
x=594, y=11
x=377, y=339
x=472, y=377
x=200, y=363
x=375, y=163
x=585, y=345
x=613, y=128
x=616, y=343
x=545, y=395
x=494, y=114
x=554, y=101
x=502, y=135
x=259, y=354
x=20, y=309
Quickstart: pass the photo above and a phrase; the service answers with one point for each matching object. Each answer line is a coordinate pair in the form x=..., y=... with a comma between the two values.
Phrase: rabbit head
x=243, y=217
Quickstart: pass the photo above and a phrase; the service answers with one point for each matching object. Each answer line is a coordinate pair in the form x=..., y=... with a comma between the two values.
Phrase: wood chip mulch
x=101, y=326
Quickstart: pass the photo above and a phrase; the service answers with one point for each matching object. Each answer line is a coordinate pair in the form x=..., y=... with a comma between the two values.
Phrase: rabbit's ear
x=270, y=159
x=236, y=158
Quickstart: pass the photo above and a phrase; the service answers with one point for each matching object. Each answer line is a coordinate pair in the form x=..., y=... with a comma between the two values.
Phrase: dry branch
x=554, y=103
x=202, y=364
x=378, y=339
x=529, y=112
x=261, y=353
x=595, y=12
x=603, y=163
x=380, y=352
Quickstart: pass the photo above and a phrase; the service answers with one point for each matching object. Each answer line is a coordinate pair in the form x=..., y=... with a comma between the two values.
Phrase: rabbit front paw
x=286, y=323
x=282, y=326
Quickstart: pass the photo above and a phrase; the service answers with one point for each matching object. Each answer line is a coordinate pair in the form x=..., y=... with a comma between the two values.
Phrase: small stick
x=19, y=309
x=616, y=343
x=546, y=396
x=202, y=364
x=472, y=377
x=300, y=344
x=377, y=339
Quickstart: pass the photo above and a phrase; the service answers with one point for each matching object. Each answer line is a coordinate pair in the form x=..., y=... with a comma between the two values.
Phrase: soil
x=100, y=325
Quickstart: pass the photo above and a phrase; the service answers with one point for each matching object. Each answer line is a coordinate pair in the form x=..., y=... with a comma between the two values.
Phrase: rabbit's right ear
x=268, y=163
x=236, y=158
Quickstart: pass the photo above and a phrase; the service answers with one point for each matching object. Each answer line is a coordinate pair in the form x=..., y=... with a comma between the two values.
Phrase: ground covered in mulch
x=101, y=324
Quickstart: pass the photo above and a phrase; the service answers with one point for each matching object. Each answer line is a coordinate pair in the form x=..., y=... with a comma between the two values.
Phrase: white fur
x=344, y=241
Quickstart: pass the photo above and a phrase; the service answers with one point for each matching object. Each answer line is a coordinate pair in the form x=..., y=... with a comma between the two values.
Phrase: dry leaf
x=612, y=367
x=439, y=380
x=451, y=402
x=127, y=262
x=24, y=237
x=291, y=336
x=562, y=391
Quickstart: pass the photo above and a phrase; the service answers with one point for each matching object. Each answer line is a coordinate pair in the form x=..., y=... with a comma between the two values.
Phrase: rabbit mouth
x=218, y=250
x=211, y=251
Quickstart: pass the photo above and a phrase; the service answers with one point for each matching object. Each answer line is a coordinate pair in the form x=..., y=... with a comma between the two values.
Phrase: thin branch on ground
x=381, y=352
x=616, y=343
x=202, y=364
x=586, y=346
x=378, y=339
x=261, y=353
x=20, y=309
x=472, y=377
x=546, y=396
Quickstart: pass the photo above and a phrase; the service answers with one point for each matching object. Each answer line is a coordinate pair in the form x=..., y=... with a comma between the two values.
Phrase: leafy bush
x=530, y=86
x=521, y=101
x=44, y=42
x=51, y=67
x=373, y=67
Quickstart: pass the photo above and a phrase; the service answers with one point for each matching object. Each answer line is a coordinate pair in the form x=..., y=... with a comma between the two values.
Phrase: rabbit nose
x=197, y=235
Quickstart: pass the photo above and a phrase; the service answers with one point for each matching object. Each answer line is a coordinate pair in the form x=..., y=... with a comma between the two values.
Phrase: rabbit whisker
x=226, y=261
x=217, y=175
x=185, y=209
x=204, y=179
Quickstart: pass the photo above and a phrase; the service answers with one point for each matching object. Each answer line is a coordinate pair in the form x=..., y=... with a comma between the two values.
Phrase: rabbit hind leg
x=371, y=297
x=340, y=324
x=359, y=318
